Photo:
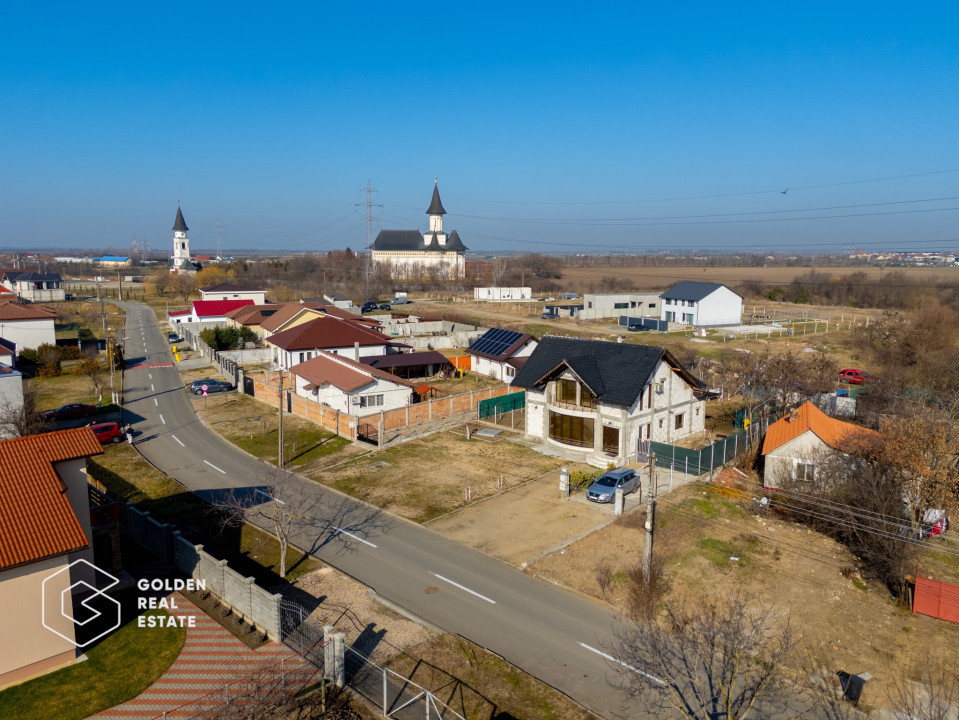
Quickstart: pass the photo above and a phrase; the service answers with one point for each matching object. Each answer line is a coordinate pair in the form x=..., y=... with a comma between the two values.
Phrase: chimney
x=793, y=415
x=356, y=351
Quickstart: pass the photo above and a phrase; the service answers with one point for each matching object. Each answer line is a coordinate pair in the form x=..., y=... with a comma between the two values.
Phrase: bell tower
x=181, y=245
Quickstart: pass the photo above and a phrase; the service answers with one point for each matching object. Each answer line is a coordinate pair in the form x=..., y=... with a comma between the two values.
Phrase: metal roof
x=436, y=207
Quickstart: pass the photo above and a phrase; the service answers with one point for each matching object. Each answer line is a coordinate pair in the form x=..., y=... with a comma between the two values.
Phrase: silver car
x=603, y=489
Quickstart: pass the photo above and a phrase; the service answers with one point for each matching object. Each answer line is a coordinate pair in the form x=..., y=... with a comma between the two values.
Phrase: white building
x=348, y=386
x=701, y=304
x=232, y=291
x=496, y=294
x=410, y=253
x=180, y=262
x=11, y=398
x=602, y=398
x=613, y=305
x=327, y=333
x=499, y=354
x=36, y=287
x=27, y=326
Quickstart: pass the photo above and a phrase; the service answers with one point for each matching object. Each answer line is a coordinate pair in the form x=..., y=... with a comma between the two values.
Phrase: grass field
x=116, y=670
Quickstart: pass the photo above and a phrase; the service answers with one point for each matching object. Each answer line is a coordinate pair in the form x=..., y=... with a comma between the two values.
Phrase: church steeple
x=436, y=212
x=181, y=245
x=179, y=225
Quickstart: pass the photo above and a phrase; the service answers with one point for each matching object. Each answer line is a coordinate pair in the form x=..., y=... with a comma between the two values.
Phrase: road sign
x=204, y=387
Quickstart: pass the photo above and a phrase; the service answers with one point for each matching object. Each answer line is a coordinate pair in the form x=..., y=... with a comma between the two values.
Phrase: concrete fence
x=240, y=594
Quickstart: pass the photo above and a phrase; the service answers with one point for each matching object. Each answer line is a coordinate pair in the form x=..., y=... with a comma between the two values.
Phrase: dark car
x=603, y=489
x=369, y=306
x=71, y=411
x=172, y=338
x=636, y=327
x=385, y=306
x=212, y=386
x=547, y=316
x=107, y=432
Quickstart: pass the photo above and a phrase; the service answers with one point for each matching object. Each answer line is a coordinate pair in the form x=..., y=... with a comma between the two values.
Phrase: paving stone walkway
x=211, y=658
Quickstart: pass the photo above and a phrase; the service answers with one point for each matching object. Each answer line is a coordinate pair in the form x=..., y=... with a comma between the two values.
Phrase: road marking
x=261, y=492
x=152, y=389
x=214, y=467
x=151, y=375
x=155, y=402
x=161, y=417
x=178, y=440
x=365, y=542
x=625, y=665
x=463, y=587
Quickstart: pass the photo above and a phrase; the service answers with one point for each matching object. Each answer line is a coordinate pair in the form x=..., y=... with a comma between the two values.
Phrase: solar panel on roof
x=496, y=341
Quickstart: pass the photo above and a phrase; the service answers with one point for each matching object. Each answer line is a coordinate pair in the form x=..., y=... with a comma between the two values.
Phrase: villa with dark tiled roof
x=411, y=253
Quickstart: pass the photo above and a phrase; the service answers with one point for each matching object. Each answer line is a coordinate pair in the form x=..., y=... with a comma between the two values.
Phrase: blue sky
x=552, y=127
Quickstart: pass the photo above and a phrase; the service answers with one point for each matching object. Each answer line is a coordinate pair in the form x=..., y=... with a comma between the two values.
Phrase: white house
x=232, y=291
x=214, y=311
x=348, y=386
x=176, y=317
x=602, y=398
x=27, y=326
x=500, y=353
x=795, y=443
x=333, y=335
x=609, y=305
x=338, y=300
x=497, y=294
x=411, y=253
x=701, y=304
x=36, y=287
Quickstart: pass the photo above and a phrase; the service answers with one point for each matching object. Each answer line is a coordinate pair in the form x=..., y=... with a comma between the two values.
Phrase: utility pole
x=280, y=431
x=119, y=285
x=369, y=232
x=650, y=509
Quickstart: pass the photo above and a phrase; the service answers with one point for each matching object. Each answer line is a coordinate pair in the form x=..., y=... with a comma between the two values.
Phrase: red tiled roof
x=835, y=433
x=340, y=372
x=36, y=518
x=215, y=308
x=10, y=310
x=326, y=332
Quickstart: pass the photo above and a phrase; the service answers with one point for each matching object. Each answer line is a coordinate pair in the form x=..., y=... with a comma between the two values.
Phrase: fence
x=503, y=404
x=704, y=460
x=240, y=594
x=936, y=598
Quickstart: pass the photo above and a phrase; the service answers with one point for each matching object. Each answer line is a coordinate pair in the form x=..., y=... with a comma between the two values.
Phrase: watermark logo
x=58, y=605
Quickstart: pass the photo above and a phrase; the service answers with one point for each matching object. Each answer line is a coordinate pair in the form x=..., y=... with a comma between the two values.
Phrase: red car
x=854, y=376
x=107, y=432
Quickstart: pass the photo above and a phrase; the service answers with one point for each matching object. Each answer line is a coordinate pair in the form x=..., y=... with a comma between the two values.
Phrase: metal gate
x=248, y=386
x=936, y=598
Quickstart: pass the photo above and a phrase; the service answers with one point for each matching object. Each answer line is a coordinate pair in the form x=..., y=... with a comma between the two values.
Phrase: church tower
x=436, y=212
x=181, y=245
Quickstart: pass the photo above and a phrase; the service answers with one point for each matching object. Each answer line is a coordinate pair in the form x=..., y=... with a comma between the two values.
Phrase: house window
x=804, y=471
x=697, y=412
x=680, y=419
x=510, y=371
x=570, y=430
x=371, y=401
x=620, y=306
x=590, y=304
x=302, y=357
x=688, y=318
x=660, y=423
x=566, y=391
x=670, y=316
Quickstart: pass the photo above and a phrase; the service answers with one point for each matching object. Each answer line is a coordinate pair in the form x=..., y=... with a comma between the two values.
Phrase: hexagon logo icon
x=57, y=605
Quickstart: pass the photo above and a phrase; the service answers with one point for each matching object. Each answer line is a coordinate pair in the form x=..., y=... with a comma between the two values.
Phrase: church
x=180, y=261
x=410, y=253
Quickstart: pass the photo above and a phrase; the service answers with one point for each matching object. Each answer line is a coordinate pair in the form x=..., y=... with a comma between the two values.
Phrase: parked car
x=212, y=386
x=547, y=316
x=384, y=306
x=107, y=432
x=71, y=411
x=854, y=376
x=636, y=327
x=603, y=489
x=172, y=338
x=369, y=306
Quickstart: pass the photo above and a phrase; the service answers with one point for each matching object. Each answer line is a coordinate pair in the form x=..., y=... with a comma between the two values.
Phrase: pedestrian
x=128, y=430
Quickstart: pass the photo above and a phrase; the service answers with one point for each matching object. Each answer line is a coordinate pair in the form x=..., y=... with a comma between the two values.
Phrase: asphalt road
x=550, y=633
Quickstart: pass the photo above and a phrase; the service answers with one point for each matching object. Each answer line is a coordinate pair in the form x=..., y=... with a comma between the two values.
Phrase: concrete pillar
x=329, y=656
x=339, y=653
x=564, y=483
x=619, y=501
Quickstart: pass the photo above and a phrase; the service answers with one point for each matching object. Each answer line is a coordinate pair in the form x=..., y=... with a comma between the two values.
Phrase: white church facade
x=180, y=261
x=411, y=253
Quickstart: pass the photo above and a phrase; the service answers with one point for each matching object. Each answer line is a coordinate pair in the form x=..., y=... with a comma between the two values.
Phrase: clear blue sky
x=552, y=127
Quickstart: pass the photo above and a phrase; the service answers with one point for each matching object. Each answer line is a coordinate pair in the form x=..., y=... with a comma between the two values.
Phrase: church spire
x=436, y=207
x=179, y=225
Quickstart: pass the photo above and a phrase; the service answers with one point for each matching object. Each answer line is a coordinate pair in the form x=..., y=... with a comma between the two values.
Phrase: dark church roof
x=436, y=207
x=434, y=243
x=399, y=240
x=615, y=372
x=179, y=225
x=453, y=242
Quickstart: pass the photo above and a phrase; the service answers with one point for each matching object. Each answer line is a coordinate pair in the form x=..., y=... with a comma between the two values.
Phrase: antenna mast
x=369, y=232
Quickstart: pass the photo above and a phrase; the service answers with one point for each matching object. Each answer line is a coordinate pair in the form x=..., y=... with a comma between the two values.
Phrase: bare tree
x=22, y=419
x=711, y=659
x=931, y=694
x=278, y=504
x=92, y=367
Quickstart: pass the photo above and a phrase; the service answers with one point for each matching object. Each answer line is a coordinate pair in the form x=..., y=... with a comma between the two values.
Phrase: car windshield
x=607, y=481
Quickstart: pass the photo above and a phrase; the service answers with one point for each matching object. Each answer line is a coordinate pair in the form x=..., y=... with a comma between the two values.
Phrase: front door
x=611, y=440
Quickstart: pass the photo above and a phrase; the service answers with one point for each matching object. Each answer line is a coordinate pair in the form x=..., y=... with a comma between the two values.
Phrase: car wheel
x=116, y=439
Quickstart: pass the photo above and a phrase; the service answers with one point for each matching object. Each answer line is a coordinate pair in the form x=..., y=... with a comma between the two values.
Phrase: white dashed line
x=178, y=440
x=625, y=665
x=214, y=467
x=161, y=417
x=266, y=494
x=155, y=402
x=152, y=389
x=365, y=542
x=464, y=588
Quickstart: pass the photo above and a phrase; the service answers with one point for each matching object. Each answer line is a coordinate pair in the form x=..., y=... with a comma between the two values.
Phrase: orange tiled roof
x=10, y=310
x=835, y=433
x=341, y=372
x=36, y=518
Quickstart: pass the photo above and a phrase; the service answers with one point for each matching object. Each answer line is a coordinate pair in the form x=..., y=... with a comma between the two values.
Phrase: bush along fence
x=704, y=460
x=375, y=426
x=240, y=594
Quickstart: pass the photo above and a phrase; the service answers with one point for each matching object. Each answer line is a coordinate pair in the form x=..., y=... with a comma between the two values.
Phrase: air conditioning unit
x=355, y=400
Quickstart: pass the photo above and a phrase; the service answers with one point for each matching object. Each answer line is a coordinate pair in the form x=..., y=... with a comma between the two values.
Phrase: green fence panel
x=504, y=403
x=699, y=462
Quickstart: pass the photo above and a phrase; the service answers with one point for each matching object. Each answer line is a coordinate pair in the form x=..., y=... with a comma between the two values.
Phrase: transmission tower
x=217, y=227
x=369, y=231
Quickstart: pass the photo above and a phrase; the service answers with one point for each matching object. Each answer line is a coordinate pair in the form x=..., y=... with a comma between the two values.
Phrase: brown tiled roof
x=286, y=311
x=326, y=332
x=36, y=518
x=835, y=433
x=252, y=314
x=340, y=372
x=10, y=310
